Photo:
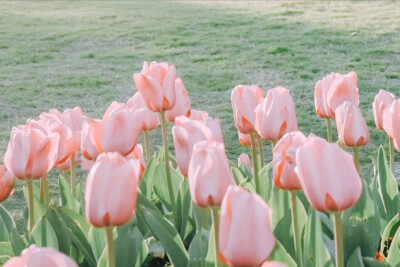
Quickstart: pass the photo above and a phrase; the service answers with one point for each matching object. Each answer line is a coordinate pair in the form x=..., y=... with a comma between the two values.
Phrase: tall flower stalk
x=295, y=220
x=255, y=161
x=338, y=239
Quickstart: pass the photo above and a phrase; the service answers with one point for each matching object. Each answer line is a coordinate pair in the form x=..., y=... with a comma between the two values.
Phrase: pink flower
x=244, y=160
x=148, y=118
x=381, y=101
x=6, y=183
x=391, y=122
x=182, y=103
x=245, y=139
x=137, y=153
x=198, y=115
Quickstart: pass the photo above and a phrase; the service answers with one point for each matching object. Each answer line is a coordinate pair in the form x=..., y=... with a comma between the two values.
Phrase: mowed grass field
x=64, y=54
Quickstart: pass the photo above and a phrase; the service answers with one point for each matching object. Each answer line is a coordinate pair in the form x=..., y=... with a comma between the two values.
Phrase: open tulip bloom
x=391, y=125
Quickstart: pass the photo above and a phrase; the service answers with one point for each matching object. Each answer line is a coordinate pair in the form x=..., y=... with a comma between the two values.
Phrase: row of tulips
x=198, y=207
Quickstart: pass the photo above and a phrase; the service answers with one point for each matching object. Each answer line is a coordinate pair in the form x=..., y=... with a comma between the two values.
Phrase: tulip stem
x=356, y=159
x=297, y=246
x=255, y=161
x=215, y=220
x=73, y=176
x=30, y=203
x=338, y=239
x=260, y=149
x=391, y=153
x=166, y=158
x=110, y=247
x=44, y=191
x=147, y=146
x=328, y=130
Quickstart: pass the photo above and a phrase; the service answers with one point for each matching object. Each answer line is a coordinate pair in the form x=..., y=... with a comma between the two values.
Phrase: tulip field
x=199, y=134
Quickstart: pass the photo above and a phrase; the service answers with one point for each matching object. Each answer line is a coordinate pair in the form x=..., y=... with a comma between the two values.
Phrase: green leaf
x=6, y=224
x=130, y=247
x=355, y=260
x=97, y=238
x=164, y=231
x=371, y=262
x=202, y=217
x=67, y=200
x=390, y=231
x=183, y=203
x=238, y=174
x=103, y=260
x=266, y=184
x=38, y=208
x=44, y=235
x=199, y=247
x=60, y=229
x=393, y=257
x=146, y=182
x=279, y=254
x=6, y=252
x=315, y=252
x=360, y=224
x=17, y=242
x=160, y=185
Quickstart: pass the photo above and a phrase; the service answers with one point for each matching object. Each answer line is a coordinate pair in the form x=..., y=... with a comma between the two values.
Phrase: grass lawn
x=63, y=54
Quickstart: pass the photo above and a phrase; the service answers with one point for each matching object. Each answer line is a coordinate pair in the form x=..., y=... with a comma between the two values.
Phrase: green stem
x=260, y=150
x=338, y=239
x=147, y=146
x=166, y=158
x=215, y=220
x=391, y=153
x=273, y=143
x=44, y=191
x=255, y=161
x=297, y=245
x=73, y=176
x=110, y=247
x=31, y=208
x=328, y=130
x=356, y=159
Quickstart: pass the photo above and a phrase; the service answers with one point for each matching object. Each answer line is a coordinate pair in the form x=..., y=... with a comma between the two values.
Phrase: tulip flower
x=156, y=84
x=209, y=174
x=40, y=257
x=244, y=139
x=330, y=181
x=246, y=237
x=276, y=115
x=198, y=115
x=244, y=161
x=6, y=183
x=391, y=125
x=186, y=133
x=148, y=118
x=137, y=153
x=273, y=264
x=381, y=101
x=72, y=118
x=182, y=103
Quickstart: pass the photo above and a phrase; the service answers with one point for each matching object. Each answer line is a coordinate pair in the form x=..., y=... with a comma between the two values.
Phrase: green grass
x=64, y=54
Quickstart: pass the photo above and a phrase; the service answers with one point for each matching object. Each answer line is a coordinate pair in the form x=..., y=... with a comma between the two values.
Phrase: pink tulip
x=182, y=103
x=186, y=133
x=111, y=190
x=198, y=115
x=246, y=237
x=333, y=90
x=351, y=125
x=6, y=183
x=72, y=118
x=381, y=101
x=284, y=160
x=90, y=143
x=66, y=165
x=156, y=84
x=327, y=175
x=245, y=139
x=273, y=264
x=244, y=100
x=276, y=114
x=209, y=174
x=32, y=150
x=137, y=153
x=391, y=122
x=40, y=257
x=244, y=160
x=148, y=118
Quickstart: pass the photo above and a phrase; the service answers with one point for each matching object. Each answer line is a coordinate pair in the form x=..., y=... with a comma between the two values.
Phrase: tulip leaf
x=103, y=260
x=202, y=217
x=6, y=252
x=198, y=248
x=280, y=254
x=371, y=262
x=266, y=184
x=97, y=239
x=393, y=257
x=130, y=247
x=238, y=174
x=60, y=229
x=44, y=235
x=163, y=230
x=315, y=252
x=146, y=182
x=389, y=232
x=355, y=259
x=67, y=200
x=17, y=242
x=6, y=224
x=39, y=209
x=160, y=185
x=183, y=207
x=360, y=224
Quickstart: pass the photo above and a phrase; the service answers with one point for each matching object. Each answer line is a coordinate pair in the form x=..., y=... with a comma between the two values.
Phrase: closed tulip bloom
x=244, y=100
x=182, y=102
x=198, y=115
x=31, y=151
x=284, y=160
x=111, y=190
x=156, y=84
x=40, y=257
x=381, y=101
x=276, y=114
x=66, y=165
x=244, y=160
x=246, y=237
x=186, y=133
x=245, y=139
x=6, y=183
x=209, y=174
x=90, y=143
x=391, y=122
x=148, y=118
x=327, y=175
x=72, y=118
x=273, y=264
x=352, y=128
x=137, y=154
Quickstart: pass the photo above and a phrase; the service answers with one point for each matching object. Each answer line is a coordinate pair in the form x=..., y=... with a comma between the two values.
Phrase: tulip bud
x=6, y=183
x=245, y=219
x=327, y=175
x=351, y=126
x=245, y=161
x=209, y=174
x=156, y=84
x=245, y=139
x=276, y=114
x=182, y=102
x=111, y=190
x=391, y=122
x=381, y=101
x=244, y=100
x=284, y=160
x=149, y=119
